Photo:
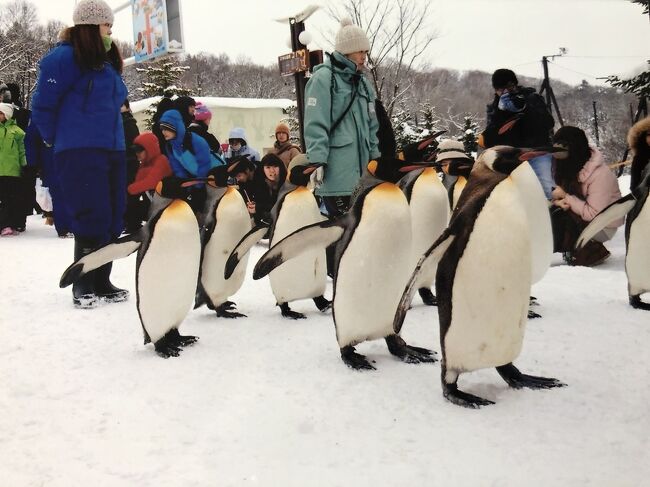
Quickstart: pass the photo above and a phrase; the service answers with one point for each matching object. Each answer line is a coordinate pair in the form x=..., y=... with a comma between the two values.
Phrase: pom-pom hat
x=351, y=38
x=92, y=12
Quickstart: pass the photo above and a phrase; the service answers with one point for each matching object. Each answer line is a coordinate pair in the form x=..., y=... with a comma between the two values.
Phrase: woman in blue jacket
x=76, y=108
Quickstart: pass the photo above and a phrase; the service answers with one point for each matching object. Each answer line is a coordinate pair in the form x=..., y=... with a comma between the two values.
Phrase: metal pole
x=546, y=84
x=596, y=124
x=296, y=29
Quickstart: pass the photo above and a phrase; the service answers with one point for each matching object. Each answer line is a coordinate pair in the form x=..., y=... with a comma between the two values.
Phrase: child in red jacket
x=154, y=166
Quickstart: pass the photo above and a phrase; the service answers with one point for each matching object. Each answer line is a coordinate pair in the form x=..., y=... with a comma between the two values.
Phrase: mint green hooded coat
x=12, y=148
x=345, y=152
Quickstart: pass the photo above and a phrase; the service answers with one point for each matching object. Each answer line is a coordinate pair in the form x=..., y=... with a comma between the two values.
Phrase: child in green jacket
x=12, y=160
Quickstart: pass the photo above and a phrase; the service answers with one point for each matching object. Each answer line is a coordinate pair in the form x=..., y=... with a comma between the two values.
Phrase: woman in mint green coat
x=340, y=121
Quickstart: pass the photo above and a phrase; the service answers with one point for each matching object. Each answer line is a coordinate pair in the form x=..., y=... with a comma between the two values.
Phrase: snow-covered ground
x=267, y=401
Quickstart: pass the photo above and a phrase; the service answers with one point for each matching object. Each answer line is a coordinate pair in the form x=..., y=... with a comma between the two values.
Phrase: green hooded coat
x=12, y=148
x=346, y=151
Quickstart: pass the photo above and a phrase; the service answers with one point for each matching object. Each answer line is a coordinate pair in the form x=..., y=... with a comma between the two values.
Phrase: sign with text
x=157, y=28
x=294, y=62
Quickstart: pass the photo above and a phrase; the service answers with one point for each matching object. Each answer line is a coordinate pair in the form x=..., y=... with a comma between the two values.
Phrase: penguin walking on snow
x=305, y=276
x=427, y=199
x=224, y=221
x=484, y=278
x=637, y=237
x=167, y=266
x=372, y=263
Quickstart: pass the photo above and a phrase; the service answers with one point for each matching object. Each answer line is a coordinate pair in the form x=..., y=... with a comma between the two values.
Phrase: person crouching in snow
x=188, y=154
x=12, y=160
x=154, y=166
x=585, y=186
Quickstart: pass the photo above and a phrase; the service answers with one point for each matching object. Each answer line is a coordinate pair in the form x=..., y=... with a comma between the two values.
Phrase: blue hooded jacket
x=184, y=163
x=76, y=108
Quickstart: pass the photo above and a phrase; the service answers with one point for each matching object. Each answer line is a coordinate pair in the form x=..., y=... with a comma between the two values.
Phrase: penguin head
x=505, y=159
x=422, y=151
x=174, y=188
x=218, y=176
x=300, y=174
x=391, y=169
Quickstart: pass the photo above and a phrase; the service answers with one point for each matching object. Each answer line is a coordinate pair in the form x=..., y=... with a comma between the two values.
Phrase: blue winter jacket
x=184, y=163
x=76, y=108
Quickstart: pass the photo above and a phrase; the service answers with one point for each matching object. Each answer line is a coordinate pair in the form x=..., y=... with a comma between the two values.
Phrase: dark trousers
x=11, y=211
x=335, y=206
x=93, y=183
x=567, y=227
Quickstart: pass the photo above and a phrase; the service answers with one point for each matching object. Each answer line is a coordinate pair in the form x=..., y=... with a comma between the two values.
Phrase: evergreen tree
x=429, y=120
x=405, y=130
x=294, y=125
x=468, y=137
x=639, y=84
x=162, y=79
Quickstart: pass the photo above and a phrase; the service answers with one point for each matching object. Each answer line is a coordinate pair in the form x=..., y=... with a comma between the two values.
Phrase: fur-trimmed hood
x=637, y=129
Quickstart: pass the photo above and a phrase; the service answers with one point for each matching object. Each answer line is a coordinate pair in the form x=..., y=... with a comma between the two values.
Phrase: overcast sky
x=602, y=36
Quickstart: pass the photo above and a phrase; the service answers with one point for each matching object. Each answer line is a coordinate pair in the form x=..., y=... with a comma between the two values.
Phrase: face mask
x=107, y=42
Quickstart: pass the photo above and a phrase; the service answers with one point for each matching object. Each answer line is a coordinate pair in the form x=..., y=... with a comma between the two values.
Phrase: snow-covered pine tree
x=405, y=130
x=294, y=125
x=162, y=79
x=468, y=137
x=430, y=122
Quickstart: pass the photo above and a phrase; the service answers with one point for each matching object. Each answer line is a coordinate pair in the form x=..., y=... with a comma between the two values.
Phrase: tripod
x=546, y=87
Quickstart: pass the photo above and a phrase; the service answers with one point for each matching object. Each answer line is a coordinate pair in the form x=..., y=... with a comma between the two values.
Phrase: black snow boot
x=83, y=290
x=105, y=289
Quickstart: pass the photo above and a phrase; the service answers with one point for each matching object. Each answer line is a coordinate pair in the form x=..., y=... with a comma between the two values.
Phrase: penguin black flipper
x=116, y=250
x=434, y=252
x=316, y=236
x=616, y=210
x=242, y=248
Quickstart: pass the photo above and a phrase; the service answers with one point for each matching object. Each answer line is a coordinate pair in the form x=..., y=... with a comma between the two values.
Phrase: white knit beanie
x=92, y=12
x=351, y=38
x=7, y=109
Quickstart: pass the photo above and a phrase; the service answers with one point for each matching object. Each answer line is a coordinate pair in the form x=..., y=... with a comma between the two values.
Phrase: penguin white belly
x=168, y=271
x=233, y=222
x=491, y=286
x=429, y=217
x=373, y=269
x=637, y=260
x=461, y=182
x=539, y=219
x=304, y=276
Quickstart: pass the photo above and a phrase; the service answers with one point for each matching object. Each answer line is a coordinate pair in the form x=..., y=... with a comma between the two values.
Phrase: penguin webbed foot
x=427, y=296
x=355, y=360
x=179, y=340
x=532, y=301
x=464, y=399
x=407, y=353
x=636, y=303
x=515, y=379
x=224, y=311
x=532, y=315
x=165, y=349
x=287, y=312
x=322, y=303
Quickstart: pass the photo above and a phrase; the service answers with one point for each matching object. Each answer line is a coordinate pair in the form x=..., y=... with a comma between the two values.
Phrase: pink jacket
x=600, y=187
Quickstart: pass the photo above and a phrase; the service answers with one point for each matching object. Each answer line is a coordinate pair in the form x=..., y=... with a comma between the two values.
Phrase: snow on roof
x=215, y=101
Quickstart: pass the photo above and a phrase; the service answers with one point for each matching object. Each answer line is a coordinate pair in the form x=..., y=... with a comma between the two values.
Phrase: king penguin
x=224, y=221
x=637, y=237
x=372, y=262
x=305, y=276
x=427, y=199
x=167, y=266
x=483, y=279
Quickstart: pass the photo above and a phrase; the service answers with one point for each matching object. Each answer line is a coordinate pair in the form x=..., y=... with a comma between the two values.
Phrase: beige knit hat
x=7, y=109
x=92, y=12
x=351, y=38
x=282, y=128
x=451, y=149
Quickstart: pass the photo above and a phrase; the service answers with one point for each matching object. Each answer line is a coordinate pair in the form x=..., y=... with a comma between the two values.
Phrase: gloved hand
x=317, y=177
